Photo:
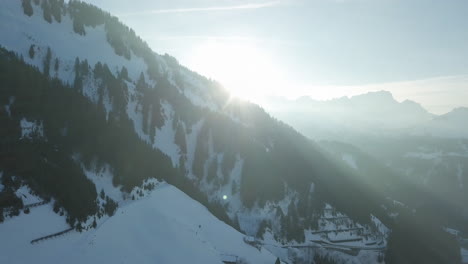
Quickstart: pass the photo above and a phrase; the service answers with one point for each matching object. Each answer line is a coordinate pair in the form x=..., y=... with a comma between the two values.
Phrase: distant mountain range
x=376, y=113
x=452, y=124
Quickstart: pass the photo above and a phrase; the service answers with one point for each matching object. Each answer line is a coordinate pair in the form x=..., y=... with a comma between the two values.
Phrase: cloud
x=229, y=39
x=206, y=9
x=203, y=37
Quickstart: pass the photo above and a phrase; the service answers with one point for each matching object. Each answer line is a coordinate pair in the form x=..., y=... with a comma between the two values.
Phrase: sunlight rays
x=245, y=69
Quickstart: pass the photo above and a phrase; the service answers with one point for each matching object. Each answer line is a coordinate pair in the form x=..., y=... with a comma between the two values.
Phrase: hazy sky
x=417, y=49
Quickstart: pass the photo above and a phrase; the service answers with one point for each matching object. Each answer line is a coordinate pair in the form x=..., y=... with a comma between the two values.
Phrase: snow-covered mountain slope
x=166, y=226
x=172, y=109
x=118, y=114
x=21, y=32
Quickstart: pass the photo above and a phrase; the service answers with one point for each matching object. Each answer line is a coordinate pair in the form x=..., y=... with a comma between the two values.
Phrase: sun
x=243, y=68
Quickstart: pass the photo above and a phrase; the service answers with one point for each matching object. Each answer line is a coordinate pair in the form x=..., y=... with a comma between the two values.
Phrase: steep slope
x=166, y=226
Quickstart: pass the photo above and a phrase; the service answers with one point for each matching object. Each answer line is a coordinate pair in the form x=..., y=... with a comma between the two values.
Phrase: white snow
x=106, y=101
x=464, y=255
x=249, y=220
x=452, y=231
x=194, y=88
x=165, y=227
x=349, y=159
x=20, y=31
x=25, y=194
x=90, y=87
x=135, y=114
x=380, y=226
x=197, y=100
x=11, y=100
x=233, y=200
x=102, y=179
x=165, y=136
x=31, y=128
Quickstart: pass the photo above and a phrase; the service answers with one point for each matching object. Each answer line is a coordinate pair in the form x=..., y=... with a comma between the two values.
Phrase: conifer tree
x=46, y=11
x=78, y=26
x=141, y=84
x=56, y=9
x=47, y=60
x=84, y=68
x=27, y=7
x=31, y=51
x=123, y=73
x=56, y=64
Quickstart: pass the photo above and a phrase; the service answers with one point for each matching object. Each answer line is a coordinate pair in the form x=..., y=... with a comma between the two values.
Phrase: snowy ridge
x=148, y=230
x=21, y=32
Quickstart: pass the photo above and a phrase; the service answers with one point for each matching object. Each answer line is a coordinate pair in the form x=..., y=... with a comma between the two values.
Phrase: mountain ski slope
x=166, y=226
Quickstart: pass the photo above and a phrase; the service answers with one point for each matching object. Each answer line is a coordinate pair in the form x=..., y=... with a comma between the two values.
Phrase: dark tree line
x=74, y=125
x=71, y=124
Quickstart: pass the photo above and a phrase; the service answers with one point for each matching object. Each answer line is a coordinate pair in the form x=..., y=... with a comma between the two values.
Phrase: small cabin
x=454, y=232
x=249, y=240
x=229, y=259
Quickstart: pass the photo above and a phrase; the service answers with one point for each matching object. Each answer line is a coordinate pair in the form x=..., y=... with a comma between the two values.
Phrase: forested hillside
x=81, y=93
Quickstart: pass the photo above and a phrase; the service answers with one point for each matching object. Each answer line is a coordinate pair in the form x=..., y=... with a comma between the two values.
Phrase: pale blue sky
x=322, y=48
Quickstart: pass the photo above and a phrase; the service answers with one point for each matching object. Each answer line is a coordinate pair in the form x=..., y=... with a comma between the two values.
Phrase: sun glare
x=243, y=68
